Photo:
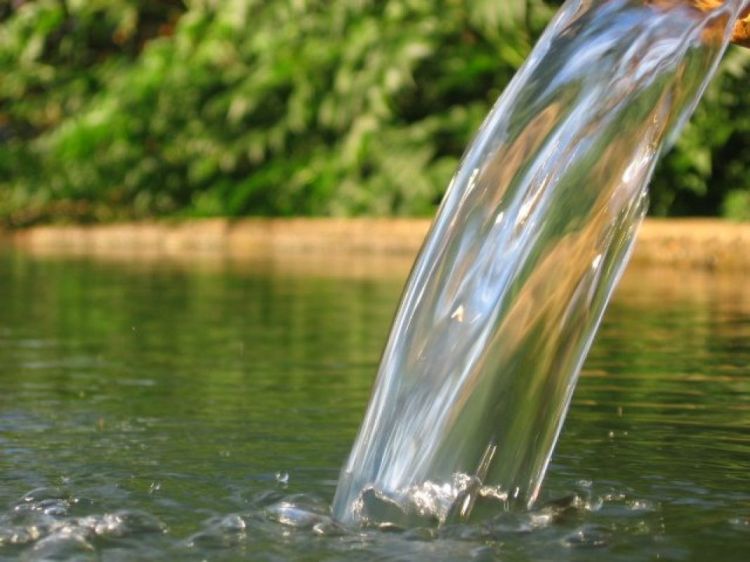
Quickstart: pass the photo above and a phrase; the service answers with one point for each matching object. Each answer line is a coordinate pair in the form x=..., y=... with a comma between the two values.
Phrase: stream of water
x=511, y=284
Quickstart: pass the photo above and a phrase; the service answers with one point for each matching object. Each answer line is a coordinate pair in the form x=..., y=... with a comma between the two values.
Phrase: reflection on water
x=160, y=412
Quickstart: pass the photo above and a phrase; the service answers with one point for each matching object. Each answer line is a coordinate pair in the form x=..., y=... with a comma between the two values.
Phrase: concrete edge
x=693, y=243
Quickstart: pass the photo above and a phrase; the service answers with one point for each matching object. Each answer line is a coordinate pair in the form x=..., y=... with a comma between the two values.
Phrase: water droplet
x=282, y=478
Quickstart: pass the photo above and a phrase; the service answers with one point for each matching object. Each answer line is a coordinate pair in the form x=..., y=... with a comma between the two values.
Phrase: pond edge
x=693, y=243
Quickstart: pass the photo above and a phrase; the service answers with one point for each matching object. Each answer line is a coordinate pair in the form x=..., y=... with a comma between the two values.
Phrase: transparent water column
x=511, y=284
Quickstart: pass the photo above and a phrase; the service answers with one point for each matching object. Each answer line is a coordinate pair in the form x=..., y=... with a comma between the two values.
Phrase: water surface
x=202, y=412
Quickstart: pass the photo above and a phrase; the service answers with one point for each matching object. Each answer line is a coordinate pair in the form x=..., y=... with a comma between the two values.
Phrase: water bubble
x=329, y=528
x=67, y=543
x=373, y=506
x=299, y=514
x=588, y=536
x=122, y=524
x=222, y=532
x=641, y=505
x=51, y=501
x=388, y=527
x=282, y=478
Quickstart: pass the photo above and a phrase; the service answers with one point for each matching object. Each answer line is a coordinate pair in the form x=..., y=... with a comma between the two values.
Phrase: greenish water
x=176, y=412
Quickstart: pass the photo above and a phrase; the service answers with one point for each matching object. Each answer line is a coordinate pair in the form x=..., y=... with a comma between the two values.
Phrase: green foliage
x=737, y=205
x=56, y=57
x=709, y=166
x=126, y=109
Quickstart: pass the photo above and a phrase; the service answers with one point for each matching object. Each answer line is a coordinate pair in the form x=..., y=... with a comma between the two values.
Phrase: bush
x=712, y=154
x=129, y=109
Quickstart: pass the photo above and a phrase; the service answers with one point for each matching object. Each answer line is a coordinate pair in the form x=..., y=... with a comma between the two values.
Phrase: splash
x=531, y=238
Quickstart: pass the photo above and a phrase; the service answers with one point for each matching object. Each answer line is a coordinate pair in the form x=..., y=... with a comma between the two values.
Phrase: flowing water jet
x=512, y=281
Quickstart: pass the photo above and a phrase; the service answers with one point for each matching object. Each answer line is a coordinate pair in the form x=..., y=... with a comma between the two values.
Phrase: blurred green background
x=127, y=109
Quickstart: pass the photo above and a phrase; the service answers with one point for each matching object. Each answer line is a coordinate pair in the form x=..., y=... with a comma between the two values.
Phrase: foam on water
x=511, y=284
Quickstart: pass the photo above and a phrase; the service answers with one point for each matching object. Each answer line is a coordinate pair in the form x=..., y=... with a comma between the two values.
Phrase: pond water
x=153, y=410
